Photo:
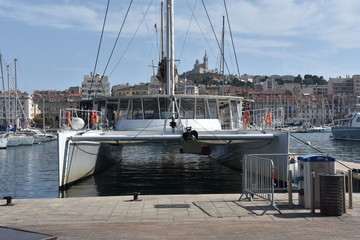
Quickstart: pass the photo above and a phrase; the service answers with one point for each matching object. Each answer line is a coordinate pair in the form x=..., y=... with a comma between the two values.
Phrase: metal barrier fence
x=258, y=179
x=282, y=164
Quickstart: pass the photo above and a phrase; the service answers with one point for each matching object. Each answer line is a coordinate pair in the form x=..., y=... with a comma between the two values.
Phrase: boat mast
x=222, y=59
x=3, y=90
x=16, y=96
x=170, y=72
x=162, y=31
x=9, y=98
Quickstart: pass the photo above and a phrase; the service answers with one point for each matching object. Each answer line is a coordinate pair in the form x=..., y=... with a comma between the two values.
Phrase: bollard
x=344, y=192
x=290, y=190
x=312, y=192
x=135, y=196
x=8, y=200
x=350, y=186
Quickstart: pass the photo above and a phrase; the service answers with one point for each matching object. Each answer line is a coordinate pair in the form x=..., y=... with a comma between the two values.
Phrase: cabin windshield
x=160, y=108
x=345, y=123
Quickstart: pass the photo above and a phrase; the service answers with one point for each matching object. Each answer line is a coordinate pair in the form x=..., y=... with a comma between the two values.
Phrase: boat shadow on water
x=159, y=169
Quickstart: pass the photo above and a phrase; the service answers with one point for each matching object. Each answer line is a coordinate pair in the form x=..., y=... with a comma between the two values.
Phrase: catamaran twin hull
x=80, y=159
x=81, y=155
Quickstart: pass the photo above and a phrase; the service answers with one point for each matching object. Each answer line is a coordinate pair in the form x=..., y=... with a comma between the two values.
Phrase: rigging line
x=209, y=131
x=319, y=150
x=308, y=145
x=188, y=28
x=135, y=136
x=114, y=46
x=2, y=73
x=213, y=30
x=132, y=38
x=99, y=47
x=202, y=32
x=76, y=145
x=231, y=36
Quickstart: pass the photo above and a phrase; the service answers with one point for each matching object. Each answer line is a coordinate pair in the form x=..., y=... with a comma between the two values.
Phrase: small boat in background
x=3, y=140
x=347, y=128
x=305, y=129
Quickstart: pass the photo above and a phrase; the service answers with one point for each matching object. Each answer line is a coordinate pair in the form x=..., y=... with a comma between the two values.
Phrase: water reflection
x=32, y=171
x=29, y=171
x=340, y=150
x=161, y=169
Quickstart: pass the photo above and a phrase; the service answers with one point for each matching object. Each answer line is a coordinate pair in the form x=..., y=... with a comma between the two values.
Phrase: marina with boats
x=220, y=122
x=222, y=126
x=174, y=162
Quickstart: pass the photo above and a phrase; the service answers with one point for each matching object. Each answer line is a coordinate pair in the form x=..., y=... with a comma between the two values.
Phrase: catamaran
x=216, y=124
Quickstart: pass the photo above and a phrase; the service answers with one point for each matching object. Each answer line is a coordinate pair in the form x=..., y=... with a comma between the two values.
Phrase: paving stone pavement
x=214, y=216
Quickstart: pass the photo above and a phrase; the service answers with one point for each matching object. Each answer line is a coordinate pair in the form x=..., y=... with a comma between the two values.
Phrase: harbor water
x=32, y=171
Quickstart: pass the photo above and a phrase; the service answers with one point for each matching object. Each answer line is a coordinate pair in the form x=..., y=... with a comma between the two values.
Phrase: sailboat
x=3, y=136
x=218, y=123
x=3, y=141
x=15, y=137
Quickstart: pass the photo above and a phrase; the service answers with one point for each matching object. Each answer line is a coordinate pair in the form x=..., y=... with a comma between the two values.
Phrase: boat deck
x=217, y=216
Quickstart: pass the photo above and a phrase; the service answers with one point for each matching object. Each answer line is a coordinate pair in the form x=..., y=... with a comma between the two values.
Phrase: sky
x=56, y=42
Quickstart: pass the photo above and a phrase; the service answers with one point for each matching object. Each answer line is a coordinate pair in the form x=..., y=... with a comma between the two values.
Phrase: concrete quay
x=210, y=216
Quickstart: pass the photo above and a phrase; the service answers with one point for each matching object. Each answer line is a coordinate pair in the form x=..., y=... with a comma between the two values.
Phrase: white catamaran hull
x=233, y=154
x=82, y=155
x=80, y=159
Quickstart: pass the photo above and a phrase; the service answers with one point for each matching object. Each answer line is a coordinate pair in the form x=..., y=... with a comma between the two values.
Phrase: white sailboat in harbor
x=3, y=136
x=218, y=122
x=15, y=138
x=3, y=140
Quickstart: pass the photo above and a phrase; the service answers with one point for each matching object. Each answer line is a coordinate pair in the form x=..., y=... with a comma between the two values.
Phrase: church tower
x=206, y=62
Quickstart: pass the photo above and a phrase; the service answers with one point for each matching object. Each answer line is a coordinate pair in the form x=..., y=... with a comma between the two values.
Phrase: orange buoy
x=268, y=119
x=246, y=118
x=94, y=117
x=68, y=118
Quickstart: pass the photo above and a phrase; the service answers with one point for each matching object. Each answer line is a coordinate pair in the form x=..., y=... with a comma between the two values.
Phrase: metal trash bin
x=331, y=194
x=319, y=164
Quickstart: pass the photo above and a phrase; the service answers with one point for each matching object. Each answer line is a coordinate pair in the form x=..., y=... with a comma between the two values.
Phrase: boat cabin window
x=234, y=114
x=358, y=119
x=151, y=108
x=345, y=123
x=123, y=109
x=200, y=108
x=213, y=111
x=225, y=115
x=187, y=106
x=137, y=112
x=165, y=109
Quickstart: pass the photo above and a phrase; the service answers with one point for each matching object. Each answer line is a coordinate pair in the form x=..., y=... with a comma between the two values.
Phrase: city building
x=341, y=85
x=50, y=102
x=94, y=86
x=126, y=89
x=16, y=105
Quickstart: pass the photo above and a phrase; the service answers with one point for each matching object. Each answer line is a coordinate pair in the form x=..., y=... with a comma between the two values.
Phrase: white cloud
x=57, y=15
